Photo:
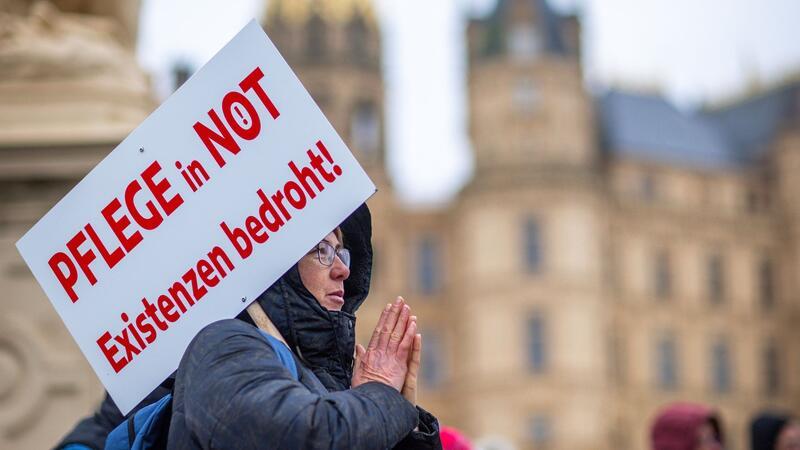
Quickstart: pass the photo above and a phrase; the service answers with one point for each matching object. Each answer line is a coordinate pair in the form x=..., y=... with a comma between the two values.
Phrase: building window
x=532, y=245
x=666, y=363
x=766, y=284
x=721, y=367
x=751, y=201
x=716, y=279
x=428, y=265
x=525, y=96
x=433, y=360
x=541, y=430
x=536, y=345
x=662, y=275
x=365, y=131
x=524, y=43
x=316, y=37
x=321, y=97
x=357, y=37
x=377, y=265
x=772, y=378
x=647, y=187
x=616, y=359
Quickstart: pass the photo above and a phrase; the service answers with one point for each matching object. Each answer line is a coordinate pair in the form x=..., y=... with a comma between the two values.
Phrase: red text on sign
x=143, y=206
x=241, y=116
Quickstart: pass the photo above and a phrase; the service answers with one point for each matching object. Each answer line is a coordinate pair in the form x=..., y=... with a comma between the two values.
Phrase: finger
x=408, y=340
x=414, y=319
x=415, y=357
x=410, y=383
x=391, y=321
x=399, y=329
x=376, y=333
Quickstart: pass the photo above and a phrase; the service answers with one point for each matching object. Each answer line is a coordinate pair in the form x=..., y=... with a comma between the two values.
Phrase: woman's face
x=325, y=283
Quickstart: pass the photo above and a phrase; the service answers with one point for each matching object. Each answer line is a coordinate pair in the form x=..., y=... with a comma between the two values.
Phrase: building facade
x=609, y=255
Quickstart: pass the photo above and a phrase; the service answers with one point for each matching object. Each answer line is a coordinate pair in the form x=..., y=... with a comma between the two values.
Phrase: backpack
x=147, y=429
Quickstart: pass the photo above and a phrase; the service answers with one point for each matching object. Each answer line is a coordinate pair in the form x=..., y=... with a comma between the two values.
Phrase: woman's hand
x=387, y=356
x=410, y=386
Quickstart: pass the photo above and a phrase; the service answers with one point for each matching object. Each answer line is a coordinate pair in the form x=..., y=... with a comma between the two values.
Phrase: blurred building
x=609, y=255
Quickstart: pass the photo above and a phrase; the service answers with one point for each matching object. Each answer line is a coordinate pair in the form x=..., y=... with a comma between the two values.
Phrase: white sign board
x=212, y=198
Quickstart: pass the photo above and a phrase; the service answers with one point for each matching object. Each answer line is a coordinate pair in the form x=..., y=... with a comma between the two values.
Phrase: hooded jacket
x=765, y=429
x=232, y=392
x=676, y=426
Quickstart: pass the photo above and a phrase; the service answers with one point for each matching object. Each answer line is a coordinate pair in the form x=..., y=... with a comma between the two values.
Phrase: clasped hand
x=393, y=354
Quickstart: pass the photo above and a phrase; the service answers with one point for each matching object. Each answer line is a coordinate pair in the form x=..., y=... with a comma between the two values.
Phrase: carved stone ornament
x=40, y=42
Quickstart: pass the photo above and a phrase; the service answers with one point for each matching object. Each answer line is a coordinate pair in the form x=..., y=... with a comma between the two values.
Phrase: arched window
x=316, y=37
x=365, y=133
x=716, y=278
x=536, y=331
x=766, y=284
x=523, y=42
x=662, y=275
x=433, y=359
x=357, y=35
x=666, y=363
x=427, y=265
x=532, y=244
x=721, y=367
x=771, y=369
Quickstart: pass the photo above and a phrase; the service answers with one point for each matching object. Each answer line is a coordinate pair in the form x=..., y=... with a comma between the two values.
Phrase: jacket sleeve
x=237, y=394
x=425, y=437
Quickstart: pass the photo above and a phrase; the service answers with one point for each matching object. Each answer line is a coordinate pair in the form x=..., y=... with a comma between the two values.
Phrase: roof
x=750, y=126
x=648, y=127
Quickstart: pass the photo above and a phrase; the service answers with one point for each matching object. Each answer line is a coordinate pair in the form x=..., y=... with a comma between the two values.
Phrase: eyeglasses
x=326, y=252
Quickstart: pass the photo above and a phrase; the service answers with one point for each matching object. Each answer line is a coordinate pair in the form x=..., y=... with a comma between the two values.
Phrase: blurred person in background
x=687, y=426
x=453, y=439
x=774, y=431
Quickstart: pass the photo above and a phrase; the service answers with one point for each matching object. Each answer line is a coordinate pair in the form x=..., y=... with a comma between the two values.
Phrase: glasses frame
x=342, y=253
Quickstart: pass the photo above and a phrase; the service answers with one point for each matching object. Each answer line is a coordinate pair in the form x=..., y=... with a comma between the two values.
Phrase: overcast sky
x=691, y=50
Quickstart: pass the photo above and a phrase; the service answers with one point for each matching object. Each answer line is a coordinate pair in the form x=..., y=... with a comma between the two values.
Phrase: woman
x=231, y=392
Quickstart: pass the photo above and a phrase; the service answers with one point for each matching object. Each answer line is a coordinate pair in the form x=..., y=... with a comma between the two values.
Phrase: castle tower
x=529, y=233
x=526, y=93
x=334, y=47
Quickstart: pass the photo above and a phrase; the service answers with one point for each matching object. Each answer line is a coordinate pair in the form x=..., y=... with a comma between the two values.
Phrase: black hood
x=324, y=340
x=765, y=428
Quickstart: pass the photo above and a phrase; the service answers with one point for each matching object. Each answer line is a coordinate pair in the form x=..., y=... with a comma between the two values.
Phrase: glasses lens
x=326, y=253
x=344, y=255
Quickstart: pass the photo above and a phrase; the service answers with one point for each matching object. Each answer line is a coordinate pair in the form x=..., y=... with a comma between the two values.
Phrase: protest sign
x=204, y=205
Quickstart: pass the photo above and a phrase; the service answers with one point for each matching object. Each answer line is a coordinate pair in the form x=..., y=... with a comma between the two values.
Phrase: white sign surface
x=213, y=197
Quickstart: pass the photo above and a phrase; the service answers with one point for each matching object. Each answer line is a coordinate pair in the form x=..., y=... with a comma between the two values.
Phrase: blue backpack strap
x=284, y=354
x=144, y=430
